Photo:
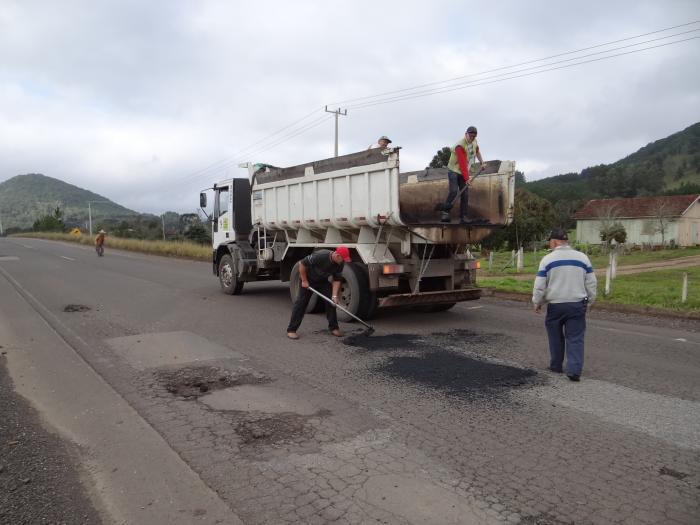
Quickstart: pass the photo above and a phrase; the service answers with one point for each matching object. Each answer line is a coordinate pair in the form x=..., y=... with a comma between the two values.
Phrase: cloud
x=136, y=100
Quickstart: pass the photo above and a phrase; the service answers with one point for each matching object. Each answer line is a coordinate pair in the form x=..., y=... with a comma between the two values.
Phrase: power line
x=343, y=102
x=504, y=77
x=446, y=86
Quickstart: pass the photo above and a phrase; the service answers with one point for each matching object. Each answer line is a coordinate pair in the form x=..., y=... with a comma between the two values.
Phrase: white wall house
x=642, y=218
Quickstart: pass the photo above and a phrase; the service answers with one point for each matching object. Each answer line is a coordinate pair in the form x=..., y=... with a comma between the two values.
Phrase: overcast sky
x=137, y=100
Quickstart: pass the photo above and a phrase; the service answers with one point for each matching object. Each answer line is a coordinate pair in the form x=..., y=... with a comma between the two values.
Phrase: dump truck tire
x=315, y=304
x=354, y=293
x=228, y=276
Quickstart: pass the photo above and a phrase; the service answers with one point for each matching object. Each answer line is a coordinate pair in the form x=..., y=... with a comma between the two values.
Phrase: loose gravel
x=39, y=475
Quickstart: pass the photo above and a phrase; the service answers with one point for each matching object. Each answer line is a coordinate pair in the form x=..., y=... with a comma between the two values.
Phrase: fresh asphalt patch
x=192, y=382
x=457, y=374
x=445, y=361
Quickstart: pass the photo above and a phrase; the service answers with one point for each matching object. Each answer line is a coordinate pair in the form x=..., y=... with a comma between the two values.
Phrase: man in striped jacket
x=566, y=282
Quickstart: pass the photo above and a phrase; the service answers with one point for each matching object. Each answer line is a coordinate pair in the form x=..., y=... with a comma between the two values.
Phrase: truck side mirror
x=202, y=200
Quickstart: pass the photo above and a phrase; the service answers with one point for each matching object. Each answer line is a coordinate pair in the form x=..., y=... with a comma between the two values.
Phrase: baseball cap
x=384, y=137
x=559, y=234
x=344, y=253
x=471, y=129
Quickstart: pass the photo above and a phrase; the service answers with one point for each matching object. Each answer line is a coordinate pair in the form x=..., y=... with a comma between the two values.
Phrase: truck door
x=222, y=215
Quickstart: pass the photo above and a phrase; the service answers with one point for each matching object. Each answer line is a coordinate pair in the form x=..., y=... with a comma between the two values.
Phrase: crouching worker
x=314, y=272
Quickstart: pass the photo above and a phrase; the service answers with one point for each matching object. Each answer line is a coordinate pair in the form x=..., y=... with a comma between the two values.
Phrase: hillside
x=666, y=166
x=25, y=198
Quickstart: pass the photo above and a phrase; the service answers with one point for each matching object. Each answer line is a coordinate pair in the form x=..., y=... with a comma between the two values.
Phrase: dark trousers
x=299, y=308
x=456, y=183
x=566, y=326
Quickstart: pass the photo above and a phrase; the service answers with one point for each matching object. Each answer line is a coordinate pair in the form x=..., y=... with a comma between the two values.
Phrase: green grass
x=531, y=260
x=658, y=288
x=186, y=250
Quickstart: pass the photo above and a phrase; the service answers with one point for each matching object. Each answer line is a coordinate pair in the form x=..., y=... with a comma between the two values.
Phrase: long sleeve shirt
x=565, y=276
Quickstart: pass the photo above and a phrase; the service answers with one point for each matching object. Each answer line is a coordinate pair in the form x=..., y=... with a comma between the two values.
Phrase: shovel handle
x=342, y=308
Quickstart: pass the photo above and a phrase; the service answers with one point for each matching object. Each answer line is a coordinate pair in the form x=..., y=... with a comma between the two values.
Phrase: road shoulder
x=133, y=473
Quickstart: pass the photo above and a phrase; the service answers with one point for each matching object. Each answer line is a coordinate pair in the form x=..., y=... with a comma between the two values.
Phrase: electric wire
x=505, y=76
x=348, y=101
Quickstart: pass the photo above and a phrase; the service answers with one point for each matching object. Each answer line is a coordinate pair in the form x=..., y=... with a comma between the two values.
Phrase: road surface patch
x=457, y=374
x=8, y=258
x=420, y=500
x=168, y=348
x=671, y=419
x=193, y=382
x=269, y=399
x=70, y=308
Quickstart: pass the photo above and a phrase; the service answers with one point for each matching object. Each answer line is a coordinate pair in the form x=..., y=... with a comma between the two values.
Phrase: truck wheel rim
x=345, y=295
x=226, y=275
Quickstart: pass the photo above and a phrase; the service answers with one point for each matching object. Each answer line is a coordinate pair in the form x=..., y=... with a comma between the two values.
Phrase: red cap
x=344, y=253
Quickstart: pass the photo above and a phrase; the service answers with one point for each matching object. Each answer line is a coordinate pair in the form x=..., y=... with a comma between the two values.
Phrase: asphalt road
x=441, y=418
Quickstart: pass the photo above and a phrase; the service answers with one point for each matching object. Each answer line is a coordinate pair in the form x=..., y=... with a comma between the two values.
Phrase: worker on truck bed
x=382, y=142
x=462, y=160
x=314, y=271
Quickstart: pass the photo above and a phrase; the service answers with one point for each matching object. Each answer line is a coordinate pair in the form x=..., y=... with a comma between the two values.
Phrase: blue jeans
x=566, y=326
x=456, y=183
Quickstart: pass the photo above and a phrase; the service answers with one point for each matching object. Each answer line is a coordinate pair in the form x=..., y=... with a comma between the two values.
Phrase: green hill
x=664, y=167
x=25, y=198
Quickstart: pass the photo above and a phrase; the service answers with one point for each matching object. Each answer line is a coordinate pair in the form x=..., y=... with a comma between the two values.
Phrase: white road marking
x=681, y=339
x=27, y=246
x=67, y=258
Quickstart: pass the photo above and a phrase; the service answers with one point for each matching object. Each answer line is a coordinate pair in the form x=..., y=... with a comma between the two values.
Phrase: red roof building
x=647, y=220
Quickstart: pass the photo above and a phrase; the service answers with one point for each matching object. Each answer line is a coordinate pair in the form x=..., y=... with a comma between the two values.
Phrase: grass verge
x=188, y=250
x=658, y=288
x=531, y=260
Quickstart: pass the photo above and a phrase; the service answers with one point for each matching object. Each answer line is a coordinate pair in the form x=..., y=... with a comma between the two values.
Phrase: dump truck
x=402, y=255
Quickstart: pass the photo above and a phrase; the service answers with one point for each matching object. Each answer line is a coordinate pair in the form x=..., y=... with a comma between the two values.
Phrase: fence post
x=607, y=280
x=613, y=265
x=520, y=259
x=490, y=260
x=684, y=290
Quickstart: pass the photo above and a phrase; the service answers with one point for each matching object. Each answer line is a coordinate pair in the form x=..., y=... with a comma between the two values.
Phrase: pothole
x=665, y=471
x=75, y=308
x=278, y=429
x=192, y=382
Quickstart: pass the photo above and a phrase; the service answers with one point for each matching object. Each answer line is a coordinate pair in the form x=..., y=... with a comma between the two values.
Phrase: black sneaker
x=574, y=377
x=444, y=217
x=555, y=370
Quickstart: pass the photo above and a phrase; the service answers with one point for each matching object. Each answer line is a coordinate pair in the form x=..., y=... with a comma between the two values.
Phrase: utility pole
x=162, y=217
x=90, y=214
x=1, y=227
x=337, y=113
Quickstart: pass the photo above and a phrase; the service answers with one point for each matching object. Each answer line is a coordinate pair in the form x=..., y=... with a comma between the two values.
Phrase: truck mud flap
x=452, y=296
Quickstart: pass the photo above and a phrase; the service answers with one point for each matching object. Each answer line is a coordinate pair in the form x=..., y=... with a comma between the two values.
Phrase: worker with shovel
x=462, y=160
x=314, y=272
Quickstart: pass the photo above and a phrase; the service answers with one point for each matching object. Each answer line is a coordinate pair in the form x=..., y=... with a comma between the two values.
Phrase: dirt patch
x=75, y=308
x=192, y=382
x=457, y=374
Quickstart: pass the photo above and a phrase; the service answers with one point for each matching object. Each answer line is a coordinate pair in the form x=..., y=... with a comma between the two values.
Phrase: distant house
x=647, y=220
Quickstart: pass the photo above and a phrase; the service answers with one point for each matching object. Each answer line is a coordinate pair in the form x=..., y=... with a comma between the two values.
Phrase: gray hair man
x=566, y=282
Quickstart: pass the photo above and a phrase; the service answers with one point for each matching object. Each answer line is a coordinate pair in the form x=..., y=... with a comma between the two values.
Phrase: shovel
x=441, y=206
x=370, y=329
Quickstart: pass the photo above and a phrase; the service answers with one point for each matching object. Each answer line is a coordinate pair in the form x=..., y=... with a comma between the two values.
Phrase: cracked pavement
x=453, y=420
